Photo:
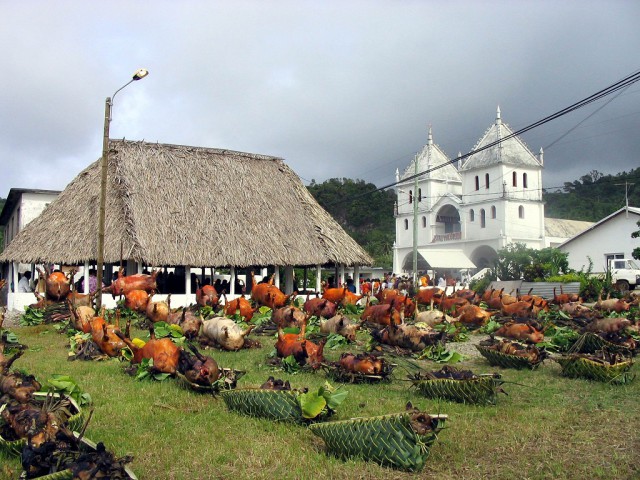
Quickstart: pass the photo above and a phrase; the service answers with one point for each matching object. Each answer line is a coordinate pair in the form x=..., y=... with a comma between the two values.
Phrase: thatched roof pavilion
x=192, y=206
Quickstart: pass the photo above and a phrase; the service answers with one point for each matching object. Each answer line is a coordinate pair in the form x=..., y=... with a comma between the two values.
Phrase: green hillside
x=368, y=218
x=593, y=196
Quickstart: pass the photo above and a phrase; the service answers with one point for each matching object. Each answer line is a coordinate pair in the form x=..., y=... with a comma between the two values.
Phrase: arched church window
x=472, y=214
x=486, y=180
x=524, y=180
x=406, y=224
x=521, y=211
x=419, y=194
x=514, y=180
x=410, y=196
x=482, y=218
x=424, y=222
x=493, y=211
x=477, y=183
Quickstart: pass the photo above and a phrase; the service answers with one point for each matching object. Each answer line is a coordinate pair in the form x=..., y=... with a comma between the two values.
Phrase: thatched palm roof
x=181, y=205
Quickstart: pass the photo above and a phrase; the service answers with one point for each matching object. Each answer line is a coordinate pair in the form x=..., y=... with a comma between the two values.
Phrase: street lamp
x=140, y=74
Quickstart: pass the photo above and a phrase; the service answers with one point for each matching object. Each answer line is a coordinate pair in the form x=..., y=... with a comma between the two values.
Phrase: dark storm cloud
x=338, y=89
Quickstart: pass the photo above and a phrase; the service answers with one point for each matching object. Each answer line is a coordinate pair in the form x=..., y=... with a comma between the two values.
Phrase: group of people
x=405, y=283
x=27, y=285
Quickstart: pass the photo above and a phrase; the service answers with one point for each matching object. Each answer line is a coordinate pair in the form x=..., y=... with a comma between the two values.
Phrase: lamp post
x=140, y=74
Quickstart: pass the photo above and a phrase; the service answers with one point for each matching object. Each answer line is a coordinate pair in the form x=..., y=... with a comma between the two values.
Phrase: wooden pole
x=103, y=196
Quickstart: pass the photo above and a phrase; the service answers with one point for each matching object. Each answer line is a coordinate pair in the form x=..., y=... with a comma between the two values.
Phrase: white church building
x=468, y=211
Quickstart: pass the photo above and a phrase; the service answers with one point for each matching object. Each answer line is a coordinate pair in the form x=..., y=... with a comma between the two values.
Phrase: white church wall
x=523, y=220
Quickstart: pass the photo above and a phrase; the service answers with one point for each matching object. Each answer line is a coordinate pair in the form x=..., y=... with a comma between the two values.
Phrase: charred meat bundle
x=275, y=384
x=198, y=368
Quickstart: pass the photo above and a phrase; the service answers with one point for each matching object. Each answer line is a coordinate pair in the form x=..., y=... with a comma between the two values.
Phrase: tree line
x=369, y=219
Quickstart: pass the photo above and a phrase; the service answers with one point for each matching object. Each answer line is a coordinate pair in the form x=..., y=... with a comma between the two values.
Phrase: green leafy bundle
x=174, y=332
x=335, y=341
x=490, y=327
x=439, y=354
x=66, y=385
x=262, y=316
x=32, y=317
x=322, y=402
x=559, y=339
x=145, y=371
x=454, y=333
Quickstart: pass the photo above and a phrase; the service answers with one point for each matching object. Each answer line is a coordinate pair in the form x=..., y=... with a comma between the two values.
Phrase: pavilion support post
x=14, y=276
x=130, y=267
x=356, y=278
x=232, y=281
x=288, y=279
x=305, y=278
x=319, y=278
x=85, y=280
x=187, y=282
x=341, y=275
x=139, y=267
x=276, y=276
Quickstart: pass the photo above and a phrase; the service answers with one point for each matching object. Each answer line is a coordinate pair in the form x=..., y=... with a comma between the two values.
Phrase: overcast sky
x=336, y=88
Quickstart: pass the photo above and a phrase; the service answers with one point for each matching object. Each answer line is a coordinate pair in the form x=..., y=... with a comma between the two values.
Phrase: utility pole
x=415, y=222
x=626, y=195
x=108, y=104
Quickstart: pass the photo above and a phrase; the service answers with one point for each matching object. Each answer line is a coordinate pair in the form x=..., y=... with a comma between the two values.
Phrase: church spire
x=499, y=134
x=541, y=157
x=429, y=150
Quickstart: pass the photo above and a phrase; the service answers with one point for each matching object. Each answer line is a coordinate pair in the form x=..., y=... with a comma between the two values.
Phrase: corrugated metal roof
x=559, y=227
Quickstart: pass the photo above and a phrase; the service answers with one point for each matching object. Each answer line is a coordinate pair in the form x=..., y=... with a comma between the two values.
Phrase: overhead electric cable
x=621, y=84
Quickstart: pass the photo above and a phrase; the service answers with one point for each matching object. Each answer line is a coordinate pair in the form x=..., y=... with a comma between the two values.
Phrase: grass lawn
x=548, y=427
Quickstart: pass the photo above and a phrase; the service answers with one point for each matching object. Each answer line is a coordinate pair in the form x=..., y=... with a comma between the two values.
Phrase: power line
x=620, y=85
x=586, y=118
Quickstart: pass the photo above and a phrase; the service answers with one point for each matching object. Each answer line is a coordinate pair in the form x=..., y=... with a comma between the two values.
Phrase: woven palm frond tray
x=506, y=360
x=582, y=366
x=590, y=342
x=389, y=440
x=280, y=405
x=68, y=412
x=467, y=388
x=228, y=380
